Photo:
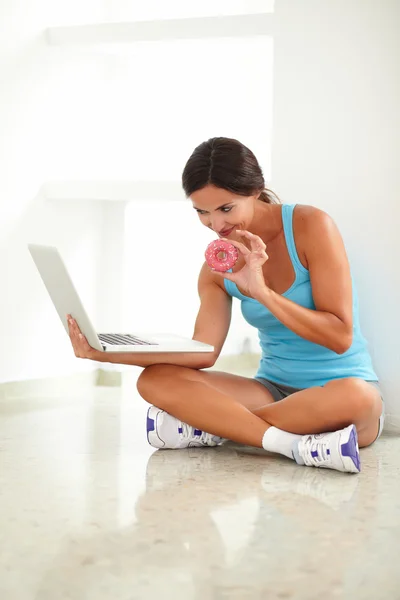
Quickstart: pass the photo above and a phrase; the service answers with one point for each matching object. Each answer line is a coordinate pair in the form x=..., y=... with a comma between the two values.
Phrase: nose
x=217, y=224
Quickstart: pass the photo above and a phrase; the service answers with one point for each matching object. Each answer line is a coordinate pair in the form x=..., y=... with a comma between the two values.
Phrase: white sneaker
x=165, y=431
x=336, y=450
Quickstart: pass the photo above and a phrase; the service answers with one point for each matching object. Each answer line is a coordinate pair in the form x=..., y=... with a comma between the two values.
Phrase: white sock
x=281, y=442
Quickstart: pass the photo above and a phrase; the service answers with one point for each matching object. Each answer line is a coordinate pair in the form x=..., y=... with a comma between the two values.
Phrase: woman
x=315, y=397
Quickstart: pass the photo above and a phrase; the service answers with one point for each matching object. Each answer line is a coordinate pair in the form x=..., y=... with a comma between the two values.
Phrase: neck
x=267, y=221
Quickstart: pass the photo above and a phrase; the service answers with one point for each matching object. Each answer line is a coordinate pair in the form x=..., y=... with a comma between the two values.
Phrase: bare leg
x=208, y=402
x=334, y=406
x=241, y=409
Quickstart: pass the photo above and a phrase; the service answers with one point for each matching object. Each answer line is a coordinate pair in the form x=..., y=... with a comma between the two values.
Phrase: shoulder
x=308, y=218
x=312, y=228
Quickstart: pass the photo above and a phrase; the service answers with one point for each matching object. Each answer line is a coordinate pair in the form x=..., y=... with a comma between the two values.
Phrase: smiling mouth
x=226, y=232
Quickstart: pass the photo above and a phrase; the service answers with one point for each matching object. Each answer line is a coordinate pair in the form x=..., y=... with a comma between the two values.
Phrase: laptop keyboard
x=118, y=339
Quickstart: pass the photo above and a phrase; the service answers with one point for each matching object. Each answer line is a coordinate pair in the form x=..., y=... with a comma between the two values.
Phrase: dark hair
x=227, y=164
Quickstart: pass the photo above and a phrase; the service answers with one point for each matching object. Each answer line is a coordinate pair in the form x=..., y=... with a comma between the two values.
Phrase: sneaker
x=336, y=450
x=165, y=431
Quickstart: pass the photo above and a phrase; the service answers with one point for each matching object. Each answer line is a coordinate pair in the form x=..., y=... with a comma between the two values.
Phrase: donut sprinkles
x=221, y=255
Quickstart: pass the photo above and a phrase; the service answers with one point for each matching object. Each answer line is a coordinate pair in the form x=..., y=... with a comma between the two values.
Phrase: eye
x=224, y=209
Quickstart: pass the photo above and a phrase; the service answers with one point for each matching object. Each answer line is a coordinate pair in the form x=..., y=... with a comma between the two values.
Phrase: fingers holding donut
x=239, y=245
x=222, y=254
x=257, y=246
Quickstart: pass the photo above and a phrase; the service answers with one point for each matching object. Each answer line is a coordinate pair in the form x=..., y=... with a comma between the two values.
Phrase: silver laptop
x=67, y=301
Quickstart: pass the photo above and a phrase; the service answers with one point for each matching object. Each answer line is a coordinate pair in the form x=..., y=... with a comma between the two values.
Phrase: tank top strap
x=287, y=218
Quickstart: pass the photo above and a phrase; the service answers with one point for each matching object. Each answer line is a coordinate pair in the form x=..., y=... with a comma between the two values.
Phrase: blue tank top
x=288, y=358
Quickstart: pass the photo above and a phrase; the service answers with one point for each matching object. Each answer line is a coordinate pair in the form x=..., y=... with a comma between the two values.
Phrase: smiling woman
x=315, y=397
x=230, y=188
x=294, y=283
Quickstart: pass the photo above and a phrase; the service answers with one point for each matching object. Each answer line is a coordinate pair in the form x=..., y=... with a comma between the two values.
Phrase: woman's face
x=223, y=211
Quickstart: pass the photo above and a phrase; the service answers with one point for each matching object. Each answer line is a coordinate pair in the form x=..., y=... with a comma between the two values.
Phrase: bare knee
x=363, y=400
x=150, y=378
x=155, y=383
x=369, y=405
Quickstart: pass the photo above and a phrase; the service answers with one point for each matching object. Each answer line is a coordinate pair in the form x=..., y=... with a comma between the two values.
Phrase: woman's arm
x=211, y=327
x=331, y=324
x=82, y=349
x=192, y=360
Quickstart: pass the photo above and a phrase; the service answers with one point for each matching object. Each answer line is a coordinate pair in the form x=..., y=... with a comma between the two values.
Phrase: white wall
x=48, y=128
x=204, y=94
x=100, y=114
x=121, y=10
x=336, y=144
x=34, y=342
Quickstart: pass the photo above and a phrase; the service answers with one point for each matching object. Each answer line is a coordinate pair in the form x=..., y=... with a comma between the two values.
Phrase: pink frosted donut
x=228, y=252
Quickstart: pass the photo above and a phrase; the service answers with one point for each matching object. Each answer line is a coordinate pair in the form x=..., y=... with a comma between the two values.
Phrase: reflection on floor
x=88, y=511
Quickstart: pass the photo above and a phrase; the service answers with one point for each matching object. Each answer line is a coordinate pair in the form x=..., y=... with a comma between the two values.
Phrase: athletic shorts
x=279, y=391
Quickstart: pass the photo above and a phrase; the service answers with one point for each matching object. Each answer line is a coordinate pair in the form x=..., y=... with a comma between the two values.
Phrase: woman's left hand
x=250, y=278
x=81, y=347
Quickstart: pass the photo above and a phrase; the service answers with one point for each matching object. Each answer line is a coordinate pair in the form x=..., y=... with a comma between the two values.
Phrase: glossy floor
x=88, y=511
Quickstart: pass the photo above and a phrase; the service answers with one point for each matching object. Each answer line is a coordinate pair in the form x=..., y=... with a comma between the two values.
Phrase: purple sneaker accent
x=350, y=449
x=180, y=430
x=150, y=427
x=197, y=432
x=314, y=453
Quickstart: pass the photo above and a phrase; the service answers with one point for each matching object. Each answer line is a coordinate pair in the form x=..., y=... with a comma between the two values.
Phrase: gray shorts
x=279, y=391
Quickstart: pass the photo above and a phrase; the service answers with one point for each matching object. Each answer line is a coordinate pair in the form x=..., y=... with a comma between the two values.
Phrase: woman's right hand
x=250, y=277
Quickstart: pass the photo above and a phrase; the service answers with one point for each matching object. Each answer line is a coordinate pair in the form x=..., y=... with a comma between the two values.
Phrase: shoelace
x=315, y=452
x=188, y=433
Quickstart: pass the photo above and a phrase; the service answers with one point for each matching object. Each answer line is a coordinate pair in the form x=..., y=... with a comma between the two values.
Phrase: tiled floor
x=88, y=511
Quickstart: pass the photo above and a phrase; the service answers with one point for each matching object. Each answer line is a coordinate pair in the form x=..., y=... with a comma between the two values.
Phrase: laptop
x=66, y=300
